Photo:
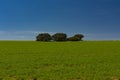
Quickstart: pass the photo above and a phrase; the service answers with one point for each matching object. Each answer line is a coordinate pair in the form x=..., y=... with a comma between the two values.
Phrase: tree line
x=58, y=37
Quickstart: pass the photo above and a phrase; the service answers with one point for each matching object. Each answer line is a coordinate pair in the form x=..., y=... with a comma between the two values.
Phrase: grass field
x=87, y=60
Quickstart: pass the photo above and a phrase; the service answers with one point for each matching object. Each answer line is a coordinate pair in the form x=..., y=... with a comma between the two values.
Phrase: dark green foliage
x=73, y=39
x=76, y=37
x=43, y=37
x=79, y=36
x=59, y=37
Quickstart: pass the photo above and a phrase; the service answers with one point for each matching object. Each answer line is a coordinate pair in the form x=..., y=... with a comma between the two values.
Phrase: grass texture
x=87, y=60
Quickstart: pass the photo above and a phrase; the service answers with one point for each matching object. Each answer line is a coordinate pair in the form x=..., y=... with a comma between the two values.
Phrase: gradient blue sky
x=24, y=19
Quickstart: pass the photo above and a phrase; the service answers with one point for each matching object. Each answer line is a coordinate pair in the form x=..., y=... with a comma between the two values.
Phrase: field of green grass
x=87, y=60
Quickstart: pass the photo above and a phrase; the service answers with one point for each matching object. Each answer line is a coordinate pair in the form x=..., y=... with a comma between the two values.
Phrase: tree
x=79, y=36
x=73, y=39
x=43, y=37
x=59, y=37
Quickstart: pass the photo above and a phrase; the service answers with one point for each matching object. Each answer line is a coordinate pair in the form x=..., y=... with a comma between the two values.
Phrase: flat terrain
x=87, y=60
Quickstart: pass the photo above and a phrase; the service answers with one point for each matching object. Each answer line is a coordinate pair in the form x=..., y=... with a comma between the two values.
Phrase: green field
x=87, y=60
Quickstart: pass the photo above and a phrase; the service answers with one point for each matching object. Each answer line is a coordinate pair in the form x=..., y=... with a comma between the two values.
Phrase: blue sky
x=24, y=19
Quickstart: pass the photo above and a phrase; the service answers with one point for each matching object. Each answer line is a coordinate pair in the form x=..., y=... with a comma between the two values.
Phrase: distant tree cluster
x=44, y=37
x=58, y=37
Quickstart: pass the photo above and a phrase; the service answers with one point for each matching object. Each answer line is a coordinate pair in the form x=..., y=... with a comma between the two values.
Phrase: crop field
x=87, y=60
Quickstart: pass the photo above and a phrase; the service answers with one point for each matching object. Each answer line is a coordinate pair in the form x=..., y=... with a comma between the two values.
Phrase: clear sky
x=24, y=19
